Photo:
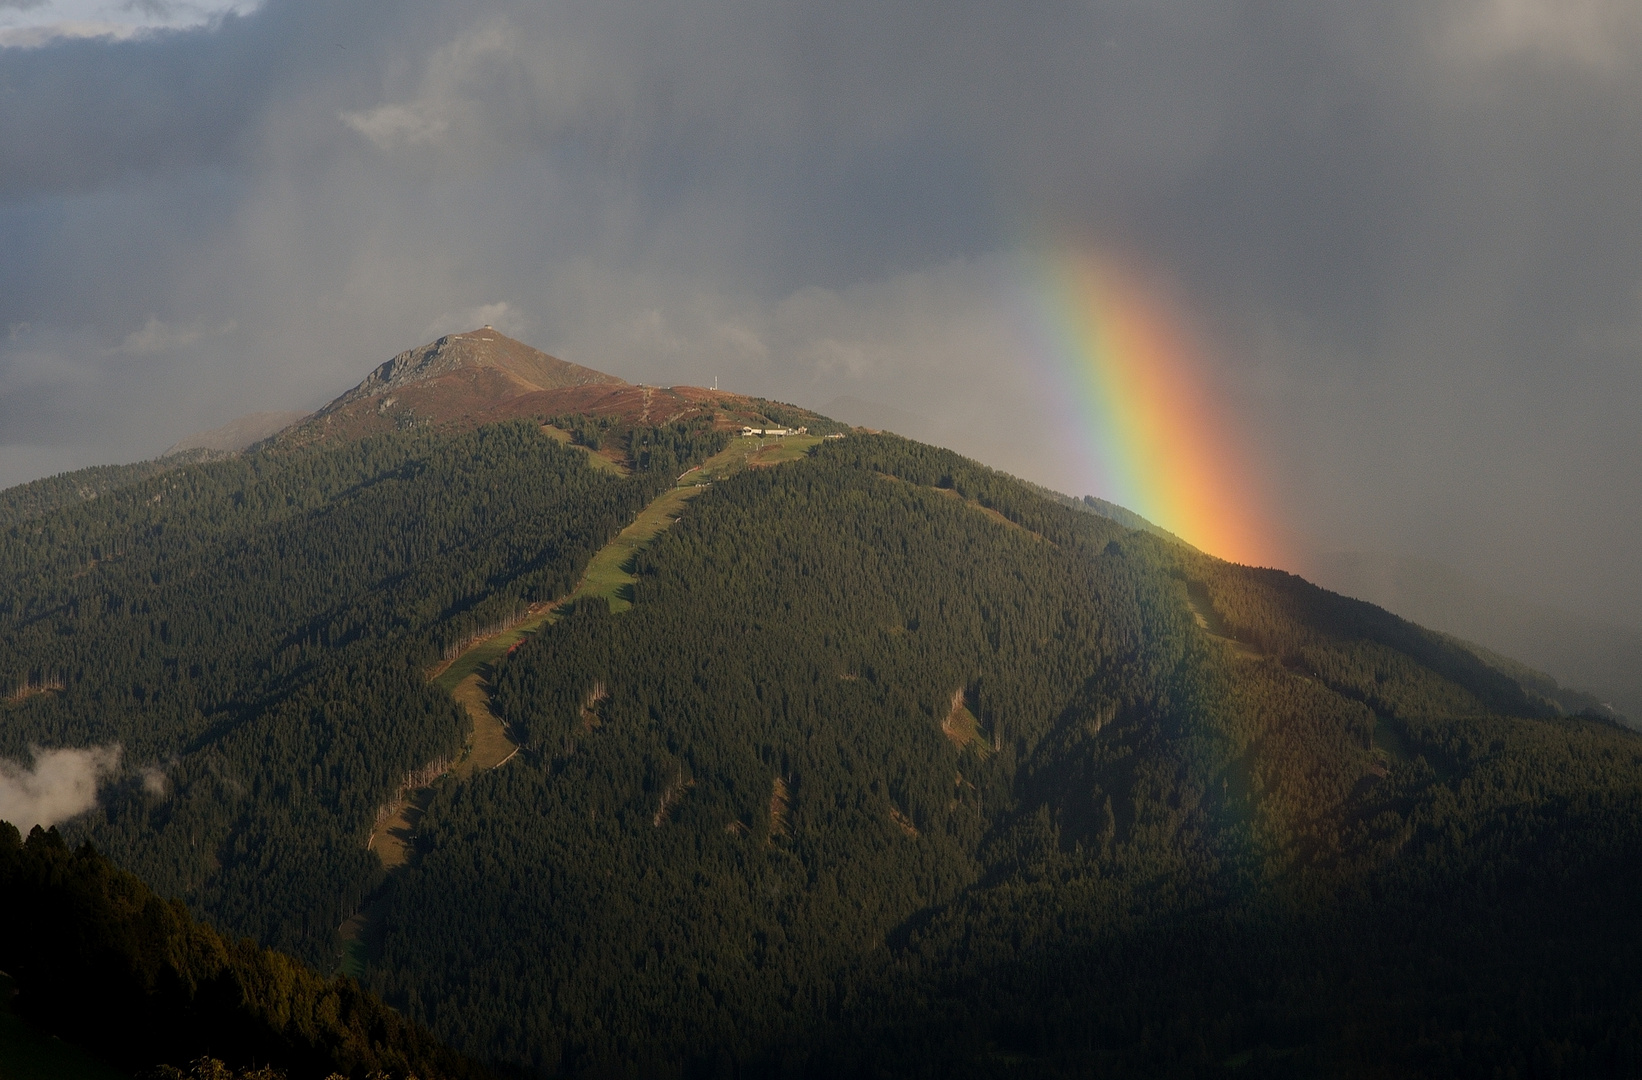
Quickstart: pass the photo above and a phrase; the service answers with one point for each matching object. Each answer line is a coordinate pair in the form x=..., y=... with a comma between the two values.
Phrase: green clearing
x=489, y=746
x=964, y=731
x=609, y=573
x=482, y=654
x=356, y=952
x=790, y=448
x=392, y=840
x=594, y=457
x=27, y=1053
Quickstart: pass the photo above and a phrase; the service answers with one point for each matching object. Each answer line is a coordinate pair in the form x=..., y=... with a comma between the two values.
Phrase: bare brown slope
x=451, y=380
x=464, y=380
x=482, y=350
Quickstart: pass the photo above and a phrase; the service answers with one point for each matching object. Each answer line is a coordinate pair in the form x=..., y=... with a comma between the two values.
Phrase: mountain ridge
x=462, y=381
x=1580, y=650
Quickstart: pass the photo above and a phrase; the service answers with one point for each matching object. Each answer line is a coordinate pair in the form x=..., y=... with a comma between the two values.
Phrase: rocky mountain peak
x=524, y=369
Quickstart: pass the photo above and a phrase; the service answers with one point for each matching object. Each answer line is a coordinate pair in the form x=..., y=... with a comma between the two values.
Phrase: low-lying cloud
x=61, y=784
x=154, y=781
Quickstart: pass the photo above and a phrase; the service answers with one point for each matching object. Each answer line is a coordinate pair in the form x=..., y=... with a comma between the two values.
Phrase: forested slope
x=750, y=829
x=254, y=633
x=895, y=765
x=101, y=961
x=82, y=485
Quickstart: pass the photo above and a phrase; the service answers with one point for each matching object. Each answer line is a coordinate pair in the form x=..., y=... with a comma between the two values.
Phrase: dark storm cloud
x=1410, y=230
x=88, y=112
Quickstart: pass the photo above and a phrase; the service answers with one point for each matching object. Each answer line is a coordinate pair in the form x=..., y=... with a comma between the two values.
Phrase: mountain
x=463, y=381
x=601, y=739
x=457, y=383
x=1580, y=651
x=482, y=364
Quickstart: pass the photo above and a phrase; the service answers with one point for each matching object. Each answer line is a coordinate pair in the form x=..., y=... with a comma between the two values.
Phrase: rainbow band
x=1138, y=386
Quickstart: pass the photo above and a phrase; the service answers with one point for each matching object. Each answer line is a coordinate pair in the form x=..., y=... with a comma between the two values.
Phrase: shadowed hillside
x=854, y=757
x=107, y=965
x=1584, y=653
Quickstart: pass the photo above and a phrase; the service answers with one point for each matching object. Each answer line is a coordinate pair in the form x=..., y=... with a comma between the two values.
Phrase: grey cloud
x=1409, y=229
x=85, y=112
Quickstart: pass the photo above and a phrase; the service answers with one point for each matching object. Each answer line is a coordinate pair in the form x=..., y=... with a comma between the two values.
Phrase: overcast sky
x=1409, y=234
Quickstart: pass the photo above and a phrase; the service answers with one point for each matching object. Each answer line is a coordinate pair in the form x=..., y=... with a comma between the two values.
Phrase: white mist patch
x=447, y=98
x=1595, y=35
x=62, y=784
x=154, y=782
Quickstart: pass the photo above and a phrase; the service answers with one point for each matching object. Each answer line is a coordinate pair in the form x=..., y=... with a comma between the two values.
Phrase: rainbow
x=1135, y=381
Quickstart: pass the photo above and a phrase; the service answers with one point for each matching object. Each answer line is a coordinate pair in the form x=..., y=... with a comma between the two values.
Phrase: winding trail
x=468, y=678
